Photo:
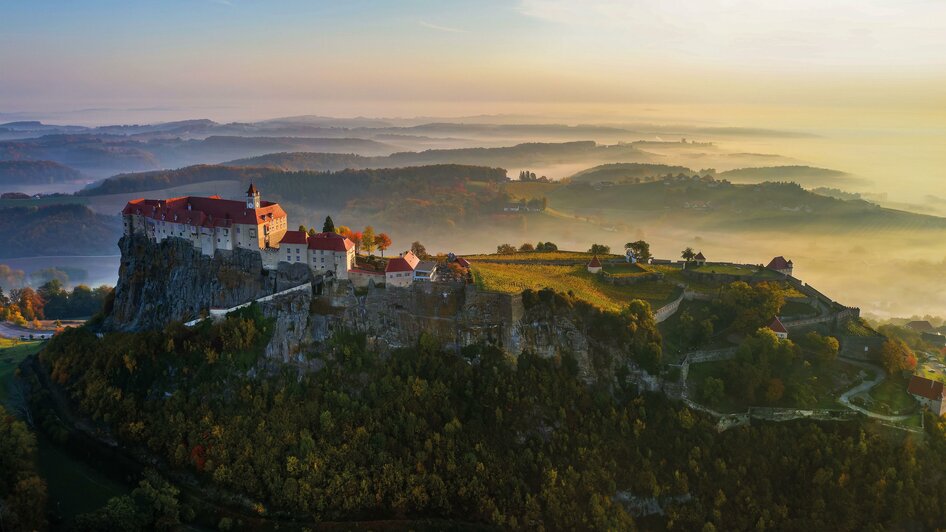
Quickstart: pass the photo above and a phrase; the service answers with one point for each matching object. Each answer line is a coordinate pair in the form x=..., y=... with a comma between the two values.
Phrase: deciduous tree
x=367, y=240
x=383, y=241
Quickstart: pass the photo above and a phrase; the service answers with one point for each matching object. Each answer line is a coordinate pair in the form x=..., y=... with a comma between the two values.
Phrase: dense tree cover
x=36, y=173
x=771, y=371
x=51, y=302
x=22, y=490
x=514, y=442
x=748, y=307
x=896, y=356
x=395, y=197
x=600, y=249
x=81, y=302
x=56, y=230
x=21, y=306
x=153, y=505
x=546, y=247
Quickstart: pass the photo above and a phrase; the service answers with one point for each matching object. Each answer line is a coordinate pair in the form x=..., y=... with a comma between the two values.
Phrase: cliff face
x=160, y=283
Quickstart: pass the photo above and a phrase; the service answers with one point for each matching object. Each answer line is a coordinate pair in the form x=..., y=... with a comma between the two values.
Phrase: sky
x=250, y=59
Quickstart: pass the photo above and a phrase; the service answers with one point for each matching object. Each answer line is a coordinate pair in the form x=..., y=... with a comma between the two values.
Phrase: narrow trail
x=845, y=398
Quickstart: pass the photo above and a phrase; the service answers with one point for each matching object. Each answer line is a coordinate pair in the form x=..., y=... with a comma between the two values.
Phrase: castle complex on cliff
x=214, y=223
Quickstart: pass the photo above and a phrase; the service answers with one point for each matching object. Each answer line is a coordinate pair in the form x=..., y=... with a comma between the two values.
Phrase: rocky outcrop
x=173, y=281
x=160, y=283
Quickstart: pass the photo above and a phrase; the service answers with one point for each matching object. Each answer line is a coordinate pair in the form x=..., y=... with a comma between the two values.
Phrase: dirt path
x=845, y=398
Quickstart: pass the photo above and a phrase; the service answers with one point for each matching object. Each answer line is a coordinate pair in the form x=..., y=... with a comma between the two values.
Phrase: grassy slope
x=11, y=354
x=514, y=278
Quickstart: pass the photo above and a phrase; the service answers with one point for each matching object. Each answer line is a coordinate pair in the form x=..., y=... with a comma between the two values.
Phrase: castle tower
x=252, y=198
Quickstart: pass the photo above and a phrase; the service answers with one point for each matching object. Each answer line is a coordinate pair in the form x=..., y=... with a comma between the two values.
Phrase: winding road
x=8, y=330
x=845, y=398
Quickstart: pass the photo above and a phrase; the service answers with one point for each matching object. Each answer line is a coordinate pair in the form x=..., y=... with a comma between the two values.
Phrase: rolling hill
x=36, y=173
x=56, y=230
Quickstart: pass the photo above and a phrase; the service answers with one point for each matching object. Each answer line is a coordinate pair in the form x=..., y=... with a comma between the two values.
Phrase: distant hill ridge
x=36, y=173
x=56, y=230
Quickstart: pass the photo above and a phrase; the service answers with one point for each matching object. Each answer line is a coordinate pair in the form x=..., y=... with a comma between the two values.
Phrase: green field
x=625, y=269
x=10, y=357
x=891, y=397
x=514, y=278
x=42, y=202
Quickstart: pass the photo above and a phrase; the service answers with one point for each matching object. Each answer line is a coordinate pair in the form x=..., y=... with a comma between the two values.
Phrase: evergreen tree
x=329, y=225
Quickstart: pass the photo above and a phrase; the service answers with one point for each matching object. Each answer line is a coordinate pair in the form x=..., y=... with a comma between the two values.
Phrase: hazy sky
x=254, y=58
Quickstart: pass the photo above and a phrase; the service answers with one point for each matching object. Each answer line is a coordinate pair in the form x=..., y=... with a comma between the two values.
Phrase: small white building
x=400, y=270
x=594, y=265
x=425, y=270
x=929, y=393
x=781, y=265
x=778, y=328
x=331, y=252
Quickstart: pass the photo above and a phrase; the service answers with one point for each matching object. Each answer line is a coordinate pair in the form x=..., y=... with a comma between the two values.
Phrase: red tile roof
x=330, y=242
x=779, y=263
x=926, y=388
x=777, y=326
x=595, y=263
x=205, y=212
x=463, y=262
x=699, y=256
x=405, y=263
x=295, y=237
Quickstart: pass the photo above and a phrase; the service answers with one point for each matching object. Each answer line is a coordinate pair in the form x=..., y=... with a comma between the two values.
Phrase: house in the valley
x=920, y=326
x=781, y=265
x=699, y=259
x=929, y=393
x=399, y=271
x=778, y=328
x=594, y=265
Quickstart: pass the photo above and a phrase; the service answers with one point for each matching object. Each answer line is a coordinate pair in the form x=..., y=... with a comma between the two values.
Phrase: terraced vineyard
x=514, y=278
x=564, y=257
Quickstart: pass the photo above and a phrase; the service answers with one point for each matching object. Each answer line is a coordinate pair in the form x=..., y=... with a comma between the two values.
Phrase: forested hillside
x=57, y=230
x=520, y=155
x=102, y=155
x=36, y=173
x=726, y=206
x=424, y=433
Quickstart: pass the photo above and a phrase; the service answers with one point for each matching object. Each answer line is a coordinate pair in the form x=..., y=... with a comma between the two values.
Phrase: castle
x=214, y=223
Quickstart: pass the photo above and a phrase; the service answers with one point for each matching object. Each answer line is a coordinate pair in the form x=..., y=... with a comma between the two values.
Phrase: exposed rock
x=160, y=283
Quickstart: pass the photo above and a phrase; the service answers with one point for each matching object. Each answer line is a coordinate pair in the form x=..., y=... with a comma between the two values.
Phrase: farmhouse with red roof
x=699, y=259
x=594, y=266
x=781, y=265
x=400, y=270
x=778, y=328
x=930, y=393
